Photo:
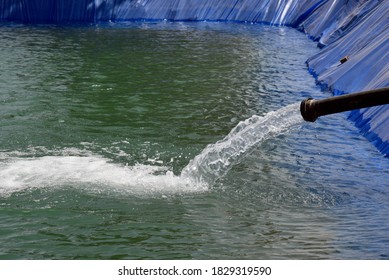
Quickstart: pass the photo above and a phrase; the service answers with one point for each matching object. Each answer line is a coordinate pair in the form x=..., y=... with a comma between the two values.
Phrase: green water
x=97, y=123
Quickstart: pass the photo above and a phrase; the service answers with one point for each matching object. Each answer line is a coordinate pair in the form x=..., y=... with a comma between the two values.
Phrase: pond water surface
x=98, y=122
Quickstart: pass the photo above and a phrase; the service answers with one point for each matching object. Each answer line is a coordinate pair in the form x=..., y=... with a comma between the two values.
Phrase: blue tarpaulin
x=362, y=34
x=357, y=29
x=65, y=11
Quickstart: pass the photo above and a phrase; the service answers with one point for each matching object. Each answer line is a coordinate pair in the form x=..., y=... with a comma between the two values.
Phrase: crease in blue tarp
x=67, y=11
x=356, y=28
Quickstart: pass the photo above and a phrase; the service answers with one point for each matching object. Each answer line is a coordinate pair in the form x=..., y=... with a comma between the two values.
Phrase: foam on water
x=93, y=172
x=217, y=159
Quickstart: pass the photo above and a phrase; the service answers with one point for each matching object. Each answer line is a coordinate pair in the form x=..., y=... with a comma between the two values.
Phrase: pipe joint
x=307, y=110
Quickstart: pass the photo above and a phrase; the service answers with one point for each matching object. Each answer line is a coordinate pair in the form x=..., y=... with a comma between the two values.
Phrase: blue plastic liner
x=358, y=29
x=68, y=11
x=362, y=35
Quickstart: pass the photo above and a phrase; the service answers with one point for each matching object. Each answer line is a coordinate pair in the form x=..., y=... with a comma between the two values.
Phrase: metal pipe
x=312, y=109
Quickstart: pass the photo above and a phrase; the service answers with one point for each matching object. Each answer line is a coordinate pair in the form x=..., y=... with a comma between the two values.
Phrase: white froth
x=19, y=173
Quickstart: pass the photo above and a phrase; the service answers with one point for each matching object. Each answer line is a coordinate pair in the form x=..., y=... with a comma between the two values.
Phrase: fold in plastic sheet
x=358, y=29
x=366, y=44
x=288, y=12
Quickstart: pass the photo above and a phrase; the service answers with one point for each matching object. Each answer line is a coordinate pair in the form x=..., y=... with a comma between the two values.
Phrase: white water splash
x=217, y=159
x=93, y=172
x=71, y=167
